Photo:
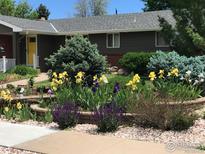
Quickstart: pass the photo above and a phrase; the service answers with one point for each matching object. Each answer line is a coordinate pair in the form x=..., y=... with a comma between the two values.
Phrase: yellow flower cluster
x=79, y=77
x=161, y=74
x=6, y=95
x=174, y=72
x=58, y=79
x=102, y=79
x=152, y=76
x=19, y=106
x=133, y=83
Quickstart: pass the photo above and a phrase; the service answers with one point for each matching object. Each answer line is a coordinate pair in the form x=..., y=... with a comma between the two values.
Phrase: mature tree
x=43, y=11
x=154, y=5
x=7, y=7
x=86, y=8
x=82, y=8
x=24, y=10
x=188, y=36
x=98, y=7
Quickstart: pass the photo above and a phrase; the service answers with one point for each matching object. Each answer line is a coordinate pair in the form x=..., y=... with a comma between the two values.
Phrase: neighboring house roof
x=146, y=21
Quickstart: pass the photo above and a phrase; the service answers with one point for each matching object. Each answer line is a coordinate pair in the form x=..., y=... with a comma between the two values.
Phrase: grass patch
x=43, y=83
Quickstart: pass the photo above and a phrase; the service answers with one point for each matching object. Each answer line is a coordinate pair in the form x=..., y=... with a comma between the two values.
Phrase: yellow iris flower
x=19, y=106
x=152, y=76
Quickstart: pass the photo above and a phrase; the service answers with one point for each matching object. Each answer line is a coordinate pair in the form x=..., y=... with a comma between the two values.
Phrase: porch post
x=4, y=64
x=15, y=47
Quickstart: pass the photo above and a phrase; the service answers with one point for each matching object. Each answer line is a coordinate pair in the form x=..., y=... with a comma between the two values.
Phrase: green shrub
x=136, y=61
x=23, y=70
x=153, y=110
x=180, y=122
x=167, y=61
x=78, y=55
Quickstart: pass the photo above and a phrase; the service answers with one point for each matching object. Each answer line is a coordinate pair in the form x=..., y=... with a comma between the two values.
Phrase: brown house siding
x=48, y=44
x=129, y=42
x=6, y=43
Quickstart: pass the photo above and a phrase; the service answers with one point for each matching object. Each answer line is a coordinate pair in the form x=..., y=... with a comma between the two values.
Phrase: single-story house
x=114, y=35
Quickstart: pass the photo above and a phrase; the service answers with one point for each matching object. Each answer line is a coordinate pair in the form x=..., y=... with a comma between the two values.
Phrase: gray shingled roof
x=28, y=25
x=147, y=21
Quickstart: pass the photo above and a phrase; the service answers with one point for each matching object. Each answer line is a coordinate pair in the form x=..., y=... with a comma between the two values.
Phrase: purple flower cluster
x=108, y=117
x=116, y=88
x=66, y=115
x=95, y=86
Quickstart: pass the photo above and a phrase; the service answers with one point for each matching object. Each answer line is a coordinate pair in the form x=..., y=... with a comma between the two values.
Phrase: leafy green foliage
x=153, y=109
x=180, y=121
x=24, y=10
x=23, y=70
x=187, y=36
x=167, y=61
x=136, y=61
x=153, y=5
x=78, y=55
x=7, y=7
x=42, y=11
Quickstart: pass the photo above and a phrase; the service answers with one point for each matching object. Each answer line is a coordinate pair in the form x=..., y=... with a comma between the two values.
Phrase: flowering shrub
x=167, y=61
x=108, y=117
x=66, y=115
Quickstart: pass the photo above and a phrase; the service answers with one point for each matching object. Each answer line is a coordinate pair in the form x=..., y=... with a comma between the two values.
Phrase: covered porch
x=17, y=48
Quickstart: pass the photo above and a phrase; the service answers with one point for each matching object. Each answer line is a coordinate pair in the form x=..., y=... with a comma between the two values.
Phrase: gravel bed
x=6, y=150
x=191, y=138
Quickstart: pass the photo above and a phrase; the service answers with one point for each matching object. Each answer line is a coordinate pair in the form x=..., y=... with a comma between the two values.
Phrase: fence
x=35, y=61
x=6, y=63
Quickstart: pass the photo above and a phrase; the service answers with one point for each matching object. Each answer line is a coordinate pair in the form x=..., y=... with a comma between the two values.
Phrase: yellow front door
x=31, y=49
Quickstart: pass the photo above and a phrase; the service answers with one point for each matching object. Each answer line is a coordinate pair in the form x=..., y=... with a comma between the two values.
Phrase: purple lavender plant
x=66, y=115
x=108, y=117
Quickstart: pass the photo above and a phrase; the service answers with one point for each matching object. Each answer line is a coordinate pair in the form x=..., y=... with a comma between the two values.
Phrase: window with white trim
x=113, y=40
x=160, y=41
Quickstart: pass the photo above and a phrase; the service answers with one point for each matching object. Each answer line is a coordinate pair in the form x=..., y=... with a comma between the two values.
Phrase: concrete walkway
x=13, y=134
x=41, y=77
x=66, y=142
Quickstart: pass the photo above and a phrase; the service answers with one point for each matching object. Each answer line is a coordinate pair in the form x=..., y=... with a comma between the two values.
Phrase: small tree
x=43, y=11
x=78, y=55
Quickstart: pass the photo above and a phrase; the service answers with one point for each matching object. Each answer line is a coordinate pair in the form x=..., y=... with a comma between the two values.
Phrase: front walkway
x=41, y=77
x=78, y=143
x=13, y=134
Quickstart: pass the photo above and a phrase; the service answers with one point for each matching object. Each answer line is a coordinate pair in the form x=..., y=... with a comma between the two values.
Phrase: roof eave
x=13, y=27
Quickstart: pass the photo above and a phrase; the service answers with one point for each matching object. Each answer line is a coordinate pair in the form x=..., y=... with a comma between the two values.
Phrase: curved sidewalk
x=67, y=142
x=41, y=77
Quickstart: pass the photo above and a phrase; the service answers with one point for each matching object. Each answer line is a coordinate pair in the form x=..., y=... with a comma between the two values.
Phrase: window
x=159, y=40
x=32, y=39
x=113, y=40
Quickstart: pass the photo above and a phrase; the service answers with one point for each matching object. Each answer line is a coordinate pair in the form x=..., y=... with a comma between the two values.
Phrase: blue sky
x=66, y=8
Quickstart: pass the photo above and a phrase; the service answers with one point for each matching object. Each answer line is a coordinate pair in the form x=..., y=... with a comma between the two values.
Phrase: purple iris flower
x=116, y=88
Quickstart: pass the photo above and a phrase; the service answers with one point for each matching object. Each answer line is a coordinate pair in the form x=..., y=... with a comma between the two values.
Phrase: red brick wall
x=113, y=58
x=6, y=43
